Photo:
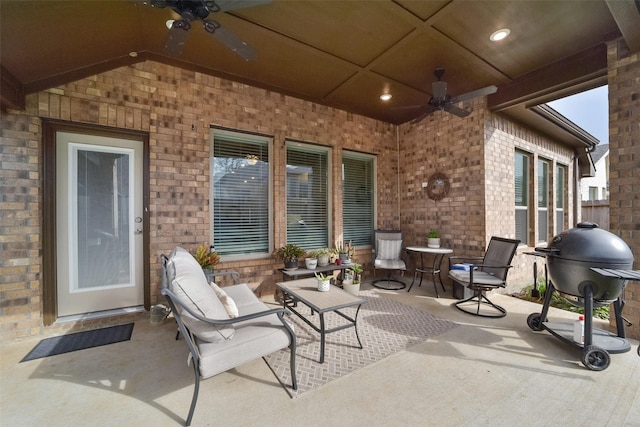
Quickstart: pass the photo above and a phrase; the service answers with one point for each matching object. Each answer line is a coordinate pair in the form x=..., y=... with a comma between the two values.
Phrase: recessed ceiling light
x=133, y=54
x=386, y=96
x=169, y=23
x=500, y=34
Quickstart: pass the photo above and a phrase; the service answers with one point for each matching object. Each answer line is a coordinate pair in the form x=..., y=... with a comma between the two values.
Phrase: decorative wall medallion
x=438, y=186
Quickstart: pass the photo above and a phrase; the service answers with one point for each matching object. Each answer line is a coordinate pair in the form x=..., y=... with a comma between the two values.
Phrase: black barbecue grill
x=589, y=267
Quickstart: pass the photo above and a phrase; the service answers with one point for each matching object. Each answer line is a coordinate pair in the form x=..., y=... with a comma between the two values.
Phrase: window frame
x=542, y=232
x=560, y=195
x=365, y=157
x=311, y=148
x=247, y=138
x=524, y=240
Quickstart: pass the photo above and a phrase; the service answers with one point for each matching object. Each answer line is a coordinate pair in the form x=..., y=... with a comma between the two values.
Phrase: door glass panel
x=101, y=208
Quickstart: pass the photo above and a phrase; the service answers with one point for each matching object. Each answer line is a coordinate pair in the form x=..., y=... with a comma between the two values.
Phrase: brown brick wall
x=176, y=107
x=624, y=164
x=477, y=154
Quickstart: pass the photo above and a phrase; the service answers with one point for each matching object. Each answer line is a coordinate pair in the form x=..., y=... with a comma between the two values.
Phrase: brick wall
x=624, y=163
x=176, y=107
x=477, y=154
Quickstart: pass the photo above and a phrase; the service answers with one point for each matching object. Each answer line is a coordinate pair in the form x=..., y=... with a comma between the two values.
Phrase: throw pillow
x=228, y=302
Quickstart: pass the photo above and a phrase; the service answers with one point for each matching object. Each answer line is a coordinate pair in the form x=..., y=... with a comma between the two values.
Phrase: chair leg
x=292, y=362
x=388, y=283
x=196, y=389
x=482, y=300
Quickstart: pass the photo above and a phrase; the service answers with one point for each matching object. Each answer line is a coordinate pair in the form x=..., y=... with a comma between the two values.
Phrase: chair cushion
x=190, y=287
x=389, y=249
x=479, y=277
x=389, y=264
x=253, y=338
x=228, y=302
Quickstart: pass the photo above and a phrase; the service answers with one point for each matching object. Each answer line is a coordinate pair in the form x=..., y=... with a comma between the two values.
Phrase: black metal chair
x=483, y=274
x=388, y=256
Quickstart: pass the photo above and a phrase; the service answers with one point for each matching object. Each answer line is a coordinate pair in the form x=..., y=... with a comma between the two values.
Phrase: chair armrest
x=235, y=276
x=173, y=300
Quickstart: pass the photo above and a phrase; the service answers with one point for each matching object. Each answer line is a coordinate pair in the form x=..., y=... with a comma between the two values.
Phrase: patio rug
x=80, y=341
x=385, y=327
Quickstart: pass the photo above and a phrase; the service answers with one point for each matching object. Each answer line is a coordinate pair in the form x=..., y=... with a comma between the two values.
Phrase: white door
x=99, y=247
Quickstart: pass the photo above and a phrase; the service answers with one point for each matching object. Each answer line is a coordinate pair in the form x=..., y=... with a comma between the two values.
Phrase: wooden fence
x=596, y=211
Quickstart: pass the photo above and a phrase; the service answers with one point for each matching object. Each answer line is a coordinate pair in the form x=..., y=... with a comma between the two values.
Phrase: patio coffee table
x=306, y=292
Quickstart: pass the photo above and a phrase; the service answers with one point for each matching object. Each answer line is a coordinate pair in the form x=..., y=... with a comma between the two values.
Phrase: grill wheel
x=595, y=358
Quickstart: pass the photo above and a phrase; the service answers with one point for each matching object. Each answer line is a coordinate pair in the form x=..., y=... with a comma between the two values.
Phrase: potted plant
x=433, y=238
x=322, y=255
x=207, y=259
x=324, y=282
x=289, y=254
x=311, y=260
x=344, y=251
x=353, y=285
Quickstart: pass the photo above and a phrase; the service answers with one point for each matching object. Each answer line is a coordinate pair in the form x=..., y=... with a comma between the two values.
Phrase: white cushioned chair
x=223, y=327
x=388, y=256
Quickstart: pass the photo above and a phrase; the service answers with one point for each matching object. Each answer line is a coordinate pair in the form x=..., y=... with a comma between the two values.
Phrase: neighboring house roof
x=599, y=152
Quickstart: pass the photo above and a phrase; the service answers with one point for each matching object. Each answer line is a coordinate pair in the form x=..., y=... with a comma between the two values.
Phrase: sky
x=589, y=110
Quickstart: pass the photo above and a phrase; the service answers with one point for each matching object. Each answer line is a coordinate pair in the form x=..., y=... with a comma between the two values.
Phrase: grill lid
x=589, y=243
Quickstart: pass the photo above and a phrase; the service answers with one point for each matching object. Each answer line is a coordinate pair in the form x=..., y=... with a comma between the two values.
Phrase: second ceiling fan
x=441, y=100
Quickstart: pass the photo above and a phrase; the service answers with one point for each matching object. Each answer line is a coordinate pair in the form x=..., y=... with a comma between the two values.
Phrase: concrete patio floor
x=486, y=372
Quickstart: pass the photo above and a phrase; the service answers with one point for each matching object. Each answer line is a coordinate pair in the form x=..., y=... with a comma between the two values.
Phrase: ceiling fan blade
x=456, y=110
x=407, y=107
x=177, y=36
x=227, y=5
x=428, y=110
x=474, y=94
x=229, y=39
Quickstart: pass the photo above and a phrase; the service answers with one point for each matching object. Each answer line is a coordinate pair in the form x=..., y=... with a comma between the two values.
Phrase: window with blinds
x=307, y=195
x=560, y=198
x=240, y=189
x=543, y=200
x=522, y=196
x=358, y=198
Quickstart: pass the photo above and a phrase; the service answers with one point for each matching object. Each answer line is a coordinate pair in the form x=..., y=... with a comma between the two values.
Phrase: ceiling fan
x=440, y=100
x=199, y=10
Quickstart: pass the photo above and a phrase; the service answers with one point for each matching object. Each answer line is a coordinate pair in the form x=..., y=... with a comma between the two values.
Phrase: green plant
x=558, y=301
x=205, y=258
x=323, y=277
x=357, y=272
x=289, y=252
x=433, y=234
x=348, y=249
x=317, y=253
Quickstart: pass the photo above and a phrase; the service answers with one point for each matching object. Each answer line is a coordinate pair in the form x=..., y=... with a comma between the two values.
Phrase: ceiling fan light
x=500, y=34
x=386, y=96
x=169, y=23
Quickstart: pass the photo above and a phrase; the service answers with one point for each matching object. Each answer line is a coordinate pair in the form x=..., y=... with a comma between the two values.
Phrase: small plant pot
x=323, y=260
x=324, y=285
x=433, y=242
x=291, y=265
x=352, y=288
x=311, y=263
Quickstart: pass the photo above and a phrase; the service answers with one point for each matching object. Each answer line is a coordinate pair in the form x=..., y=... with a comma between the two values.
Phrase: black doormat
x=80, y=341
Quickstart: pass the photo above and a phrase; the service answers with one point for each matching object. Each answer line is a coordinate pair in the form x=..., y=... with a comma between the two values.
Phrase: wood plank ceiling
x=338, y=53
